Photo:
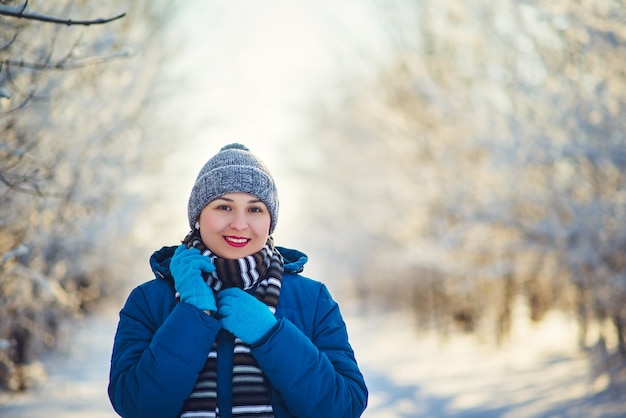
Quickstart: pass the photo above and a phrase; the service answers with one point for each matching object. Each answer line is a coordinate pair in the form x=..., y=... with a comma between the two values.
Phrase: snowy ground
x=537, y=374
x=77, y=377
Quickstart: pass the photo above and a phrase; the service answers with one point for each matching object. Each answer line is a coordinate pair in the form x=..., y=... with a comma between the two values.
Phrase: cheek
x=263, y=225
x=208, y=219
x=208, y=225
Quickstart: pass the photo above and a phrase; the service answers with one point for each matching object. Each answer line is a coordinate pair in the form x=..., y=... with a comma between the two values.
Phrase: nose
x=239, y=221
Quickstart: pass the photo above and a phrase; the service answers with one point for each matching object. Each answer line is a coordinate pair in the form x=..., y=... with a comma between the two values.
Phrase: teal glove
x=187, y=266
x=245, y=316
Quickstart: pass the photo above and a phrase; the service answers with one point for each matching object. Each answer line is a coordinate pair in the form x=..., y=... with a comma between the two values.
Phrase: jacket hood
x=160, y=261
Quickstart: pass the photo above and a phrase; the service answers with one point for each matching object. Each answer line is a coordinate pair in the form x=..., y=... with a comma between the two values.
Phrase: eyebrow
x=231, y=200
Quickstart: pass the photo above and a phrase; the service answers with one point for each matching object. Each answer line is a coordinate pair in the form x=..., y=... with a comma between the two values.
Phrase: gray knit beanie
x=233, y=169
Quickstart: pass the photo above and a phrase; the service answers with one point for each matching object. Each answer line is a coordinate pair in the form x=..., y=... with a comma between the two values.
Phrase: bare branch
x=64, y=64
x=20, y=106
x=22, y=14
x=27, y=185
x=9, y=43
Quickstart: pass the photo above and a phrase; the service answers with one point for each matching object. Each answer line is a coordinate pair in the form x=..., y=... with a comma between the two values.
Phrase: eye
x=255, y=209
x=223, y=207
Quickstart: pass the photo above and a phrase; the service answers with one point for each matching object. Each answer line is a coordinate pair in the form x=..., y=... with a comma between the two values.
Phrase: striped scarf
x=263, y=272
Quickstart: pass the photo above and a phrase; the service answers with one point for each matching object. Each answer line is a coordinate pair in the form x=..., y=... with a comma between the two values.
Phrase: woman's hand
x=187, y=266
x=245, y=316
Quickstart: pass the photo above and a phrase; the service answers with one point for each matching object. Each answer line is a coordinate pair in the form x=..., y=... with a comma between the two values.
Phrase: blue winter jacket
x=161, y=345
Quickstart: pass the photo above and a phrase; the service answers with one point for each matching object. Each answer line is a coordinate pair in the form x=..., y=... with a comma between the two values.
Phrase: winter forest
x=474, y=170
x=71, y=109
x=485, y=165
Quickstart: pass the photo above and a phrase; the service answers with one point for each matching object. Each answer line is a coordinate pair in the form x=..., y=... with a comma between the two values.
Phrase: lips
x=236, y=242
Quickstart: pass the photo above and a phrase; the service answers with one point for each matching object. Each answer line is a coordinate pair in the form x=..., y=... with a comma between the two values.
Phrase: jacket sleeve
x=315, y=375
x=157, y=355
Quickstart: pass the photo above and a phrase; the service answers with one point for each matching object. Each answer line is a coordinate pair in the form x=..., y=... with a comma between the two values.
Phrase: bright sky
x=251, y=67
x=252, y=64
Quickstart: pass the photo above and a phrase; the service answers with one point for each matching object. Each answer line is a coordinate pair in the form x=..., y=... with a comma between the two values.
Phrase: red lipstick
x=237, y=242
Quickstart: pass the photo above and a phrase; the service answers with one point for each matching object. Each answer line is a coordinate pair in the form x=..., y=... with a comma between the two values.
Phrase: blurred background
x=455, y=171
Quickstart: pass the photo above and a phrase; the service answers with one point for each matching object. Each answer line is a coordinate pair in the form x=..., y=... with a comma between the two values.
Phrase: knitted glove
x=245, y=316
x=187, y=266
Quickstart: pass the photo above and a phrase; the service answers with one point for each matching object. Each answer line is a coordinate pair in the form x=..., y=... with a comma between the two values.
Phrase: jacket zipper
x=225, y=352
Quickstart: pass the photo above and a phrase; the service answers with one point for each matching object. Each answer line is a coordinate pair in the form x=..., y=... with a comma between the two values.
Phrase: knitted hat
x=233, y=169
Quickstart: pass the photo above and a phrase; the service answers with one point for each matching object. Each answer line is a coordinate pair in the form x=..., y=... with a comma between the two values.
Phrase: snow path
x=77, y=376
x=412, y=375
x=409, y=375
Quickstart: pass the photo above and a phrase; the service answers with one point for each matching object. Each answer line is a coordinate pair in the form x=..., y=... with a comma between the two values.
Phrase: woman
x=228, y=327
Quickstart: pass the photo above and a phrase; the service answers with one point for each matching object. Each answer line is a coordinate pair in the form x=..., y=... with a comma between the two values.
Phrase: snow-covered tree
x=73, y=86
x=485, y=164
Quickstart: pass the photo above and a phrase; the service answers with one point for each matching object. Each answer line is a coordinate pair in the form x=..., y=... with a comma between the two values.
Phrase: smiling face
x=235, y=225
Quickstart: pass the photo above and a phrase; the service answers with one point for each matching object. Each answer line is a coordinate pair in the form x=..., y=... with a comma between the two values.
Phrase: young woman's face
x=235, y=225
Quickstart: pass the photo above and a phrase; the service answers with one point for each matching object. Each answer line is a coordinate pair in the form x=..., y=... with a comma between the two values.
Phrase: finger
x=224, y=300
x=177, y=255
x=223, y=310
x=199, y=262
x=206, y=264
x=227, y=292
x=189, y=253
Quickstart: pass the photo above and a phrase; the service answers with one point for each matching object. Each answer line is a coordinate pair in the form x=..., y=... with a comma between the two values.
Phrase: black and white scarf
x=263, y=272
